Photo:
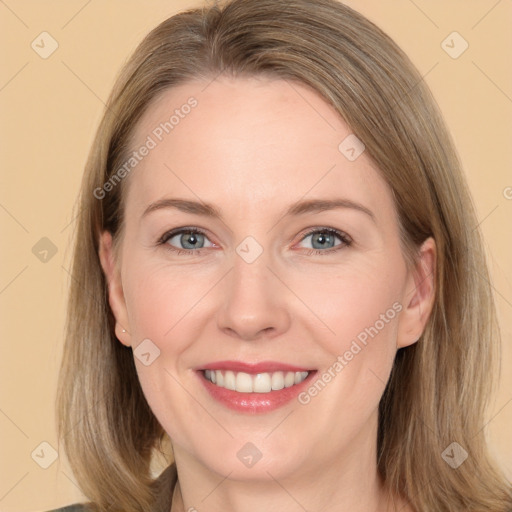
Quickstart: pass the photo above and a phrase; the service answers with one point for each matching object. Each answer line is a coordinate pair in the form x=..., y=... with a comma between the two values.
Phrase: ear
x=115, y=289
x=419, y=295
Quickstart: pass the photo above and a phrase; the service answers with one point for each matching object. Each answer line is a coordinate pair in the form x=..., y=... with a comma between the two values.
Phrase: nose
x=255, y=305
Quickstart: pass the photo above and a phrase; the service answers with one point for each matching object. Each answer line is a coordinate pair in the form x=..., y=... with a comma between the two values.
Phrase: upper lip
x=262, y=367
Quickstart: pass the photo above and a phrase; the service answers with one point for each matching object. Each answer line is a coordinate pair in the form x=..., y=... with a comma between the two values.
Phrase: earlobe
x=419, y=297
x=115, y=289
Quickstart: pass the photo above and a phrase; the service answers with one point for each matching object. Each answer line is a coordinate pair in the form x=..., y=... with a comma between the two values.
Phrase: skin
x=252, y=147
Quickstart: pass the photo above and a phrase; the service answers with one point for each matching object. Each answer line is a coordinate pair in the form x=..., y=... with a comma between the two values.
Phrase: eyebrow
x=298, y=208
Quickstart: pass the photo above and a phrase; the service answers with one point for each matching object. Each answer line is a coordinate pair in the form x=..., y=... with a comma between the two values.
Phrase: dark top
x=164, y=488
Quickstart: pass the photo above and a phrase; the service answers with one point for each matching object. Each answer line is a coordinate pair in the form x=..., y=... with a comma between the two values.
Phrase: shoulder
x=164, y=483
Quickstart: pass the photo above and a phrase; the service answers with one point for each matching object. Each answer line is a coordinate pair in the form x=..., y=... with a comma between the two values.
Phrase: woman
x=275, y=272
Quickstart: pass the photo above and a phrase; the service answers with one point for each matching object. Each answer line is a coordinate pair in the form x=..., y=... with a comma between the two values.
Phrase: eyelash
x=345, y=239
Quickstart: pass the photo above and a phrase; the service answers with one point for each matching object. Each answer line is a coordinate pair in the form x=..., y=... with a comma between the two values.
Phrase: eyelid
x=325, y=229
x=346, y=240
x=178, y=231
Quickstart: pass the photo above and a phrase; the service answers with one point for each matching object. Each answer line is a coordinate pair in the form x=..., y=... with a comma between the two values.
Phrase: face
x=257, y=254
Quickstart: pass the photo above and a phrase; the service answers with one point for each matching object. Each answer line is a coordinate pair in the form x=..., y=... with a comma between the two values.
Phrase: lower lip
x=254, y=402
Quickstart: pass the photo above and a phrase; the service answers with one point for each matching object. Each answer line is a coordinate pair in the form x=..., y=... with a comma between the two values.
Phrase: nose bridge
x=254, y=299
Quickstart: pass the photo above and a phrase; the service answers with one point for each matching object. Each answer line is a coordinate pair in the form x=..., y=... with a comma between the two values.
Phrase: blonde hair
x=439, y=387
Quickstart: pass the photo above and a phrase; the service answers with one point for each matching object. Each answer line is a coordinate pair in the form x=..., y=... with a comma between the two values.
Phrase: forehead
x=252, y=140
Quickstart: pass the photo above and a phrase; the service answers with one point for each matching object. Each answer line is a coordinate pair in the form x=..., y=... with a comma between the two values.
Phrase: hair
x=439, y=388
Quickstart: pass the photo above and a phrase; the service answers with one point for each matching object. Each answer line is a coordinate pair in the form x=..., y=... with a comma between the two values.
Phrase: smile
x=260, y=383
x=253, y=387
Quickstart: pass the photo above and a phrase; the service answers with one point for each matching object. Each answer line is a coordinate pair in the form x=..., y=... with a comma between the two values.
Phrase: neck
x=377, y=499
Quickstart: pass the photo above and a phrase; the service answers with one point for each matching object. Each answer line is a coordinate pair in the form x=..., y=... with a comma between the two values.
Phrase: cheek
x=359, y=309
x=356, y=306
x=158, y=299
x=161, y=305
x=362, y=309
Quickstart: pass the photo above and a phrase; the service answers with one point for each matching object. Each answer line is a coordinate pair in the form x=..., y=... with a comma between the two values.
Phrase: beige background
x=49, y=111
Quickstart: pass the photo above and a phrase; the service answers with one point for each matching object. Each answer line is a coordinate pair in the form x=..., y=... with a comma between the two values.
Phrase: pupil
x=190, y=240
x=322, y=239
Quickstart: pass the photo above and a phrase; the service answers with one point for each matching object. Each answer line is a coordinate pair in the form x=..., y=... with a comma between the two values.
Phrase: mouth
x=253, y=388
x=260, y=383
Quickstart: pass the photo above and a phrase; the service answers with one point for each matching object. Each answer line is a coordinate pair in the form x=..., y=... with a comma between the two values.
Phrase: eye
x=323, y=240
x=191, y=240
x=188, y=240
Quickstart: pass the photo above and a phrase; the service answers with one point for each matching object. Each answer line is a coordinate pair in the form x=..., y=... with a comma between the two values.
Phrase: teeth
x=289, y=379
x=262, y=383
x=243, y=382
x=229, y=380
x=277, y=381
x=298, y=377
x=259, y=383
